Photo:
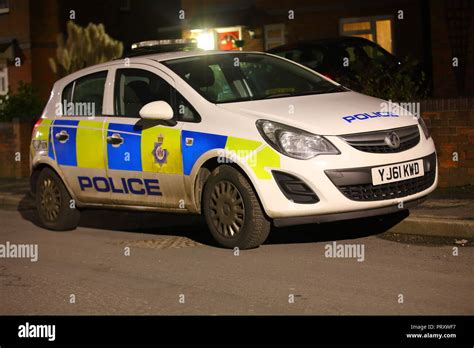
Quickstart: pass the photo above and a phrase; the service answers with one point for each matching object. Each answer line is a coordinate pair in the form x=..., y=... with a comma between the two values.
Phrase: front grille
x=369, y=192
x=374, y=142
x=356, y=183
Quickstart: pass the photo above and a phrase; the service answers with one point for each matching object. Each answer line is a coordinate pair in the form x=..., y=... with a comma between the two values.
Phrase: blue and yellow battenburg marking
x=201, y=143
x=65, y=151
x=127, y=156
x=146, y=149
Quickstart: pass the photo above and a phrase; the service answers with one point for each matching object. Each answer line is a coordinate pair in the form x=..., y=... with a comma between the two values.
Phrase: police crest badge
x=159, y=154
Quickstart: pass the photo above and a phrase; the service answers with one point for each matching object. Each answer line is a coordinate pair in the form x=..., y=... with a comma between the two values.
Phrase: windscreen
x=226, y=78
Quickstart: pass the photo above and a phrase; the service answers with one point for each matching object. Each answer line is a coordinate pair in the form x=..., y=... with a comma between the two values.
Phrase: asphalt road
x=170, y=258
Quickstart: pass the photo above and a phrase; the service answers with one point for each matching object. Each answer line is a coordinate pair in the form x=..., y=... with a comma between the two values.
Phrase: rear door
x=143, y=157
x=78, y=137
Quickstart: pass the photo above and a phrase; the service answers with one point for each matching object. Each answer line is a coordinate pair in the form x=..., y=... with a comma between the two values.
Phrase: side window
x=136, y=87
x=84, y=96
x=185, y=111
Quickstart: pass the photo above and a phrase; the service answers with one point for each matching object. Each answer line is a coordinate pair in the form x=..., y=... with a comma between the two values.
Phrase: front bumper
x=302, y=220
x=346, y=193
x=356, y=183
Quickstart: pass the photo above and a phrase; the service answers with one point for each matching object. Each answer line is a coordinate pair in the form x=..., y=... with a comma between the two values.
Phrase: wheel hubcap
x=227, y=209
x=50, y=199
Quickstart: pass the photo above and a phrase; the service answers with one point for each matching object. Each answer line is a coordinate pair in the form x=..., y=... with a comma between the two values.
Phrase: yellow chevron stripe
x=42, y=131
x=246, y=150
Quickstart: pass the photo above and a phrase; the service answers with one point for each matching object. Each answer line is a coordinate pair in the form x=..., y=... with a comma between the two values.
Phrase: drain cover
x=162, y=243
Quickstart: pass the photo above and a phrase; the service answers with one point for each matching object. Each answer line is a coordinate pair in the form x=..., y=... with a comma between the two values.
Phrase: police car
x=246, y=139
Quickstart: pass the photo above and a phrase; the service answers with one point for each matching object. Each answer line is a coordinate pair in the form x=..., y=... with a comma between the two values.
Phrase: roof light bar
x=169, y=42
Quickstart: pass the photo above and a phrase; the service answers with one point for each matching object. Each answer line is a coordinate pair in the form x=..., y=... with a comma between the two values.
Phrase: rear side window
x=136, y=87
x=84, y=96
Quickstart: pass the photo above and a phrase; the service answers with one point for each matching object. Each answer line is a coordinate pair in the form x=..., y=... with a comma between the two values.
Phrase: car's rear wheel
x=232, y=210
x=56, y=210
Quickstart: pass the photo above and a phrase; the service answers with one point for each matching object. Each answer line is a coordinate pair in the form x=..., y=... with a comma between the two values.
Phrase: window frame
x=73, y=83
x=273, y=42
x=169, y=81
x=116, y=82
x=6, y=8
x=4, y=76
x=373, y=28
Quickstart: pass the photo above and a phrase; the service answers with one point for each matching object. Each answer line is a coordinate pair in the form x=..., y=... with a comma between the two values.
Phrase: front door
x=143, y=157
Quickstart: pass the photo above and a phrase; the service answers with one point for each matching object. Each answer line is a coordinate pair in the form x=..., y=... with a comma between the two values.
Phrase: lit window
x=376, y=29
x=4, y=8
x=274, y=35
x=3, y=81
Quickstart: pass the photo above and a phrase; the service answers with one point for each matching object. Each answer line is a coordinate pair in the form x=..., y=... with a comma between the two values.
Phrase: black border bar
x=291, y=330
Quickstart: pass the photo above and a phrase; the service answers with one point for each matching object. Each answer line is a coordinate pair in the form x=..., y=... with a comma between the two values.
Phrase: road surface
x=130, y=263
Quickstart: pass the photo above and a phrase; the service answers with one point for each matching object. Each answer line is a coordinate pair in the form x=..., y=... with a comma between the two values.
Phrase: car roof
x=161, y=57
x=145, y=59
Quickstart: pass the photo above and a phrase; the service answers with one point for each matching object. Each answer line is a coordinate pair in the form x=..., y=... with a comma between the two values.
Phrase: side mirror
x=157, y=110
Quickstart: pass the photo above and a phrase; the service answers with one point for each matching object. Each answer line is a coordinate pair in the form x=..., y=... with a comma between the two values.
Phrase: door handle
x=115, y=140
x=62, y=136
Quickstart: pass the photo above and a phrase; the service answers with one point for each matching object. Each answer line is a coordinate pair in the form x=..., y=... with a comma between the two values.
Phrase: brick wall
x=44, y=24
x=445, y=46
x=452, y=128
x=16, y=138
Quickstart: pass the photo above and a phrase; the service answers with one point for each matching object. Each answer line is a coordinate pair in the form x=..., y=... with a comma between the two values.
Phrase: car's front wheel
x=232, y=210
x=56, y=210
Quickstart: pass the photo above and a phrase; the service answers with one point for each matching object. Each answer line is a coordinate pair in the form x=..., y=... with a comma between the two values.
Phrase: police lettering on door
x=134, y=186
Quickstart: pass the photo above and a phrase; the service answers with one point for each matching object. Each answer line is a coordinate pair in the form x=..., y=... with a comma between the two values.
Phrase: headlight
x=423, y=126
x=295, y=142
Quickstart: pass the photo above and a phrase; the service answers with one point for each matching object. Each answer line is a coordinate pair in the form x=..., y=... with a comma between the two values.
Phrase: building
x=437, y=33
x=29, y=31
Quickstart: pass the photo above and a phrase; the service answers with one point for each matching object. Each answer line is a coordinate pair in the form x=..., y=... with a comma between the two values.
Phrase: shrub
x=84, y=47
x=24, y=105
x=404, y=82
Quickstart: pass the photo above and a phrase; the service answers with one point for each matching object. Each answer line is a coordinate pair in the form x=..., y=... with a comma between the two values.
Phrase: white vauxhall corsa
x=245, y=138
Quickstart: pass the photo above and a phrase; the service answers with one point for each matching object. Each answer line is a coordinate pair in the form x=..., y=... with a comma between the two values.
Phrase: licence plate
x=397, y=172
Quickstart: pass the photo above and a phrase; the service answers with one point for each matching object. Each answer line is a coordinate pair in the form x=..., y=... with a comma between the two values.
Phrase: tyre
x=232, y=210
x=53, y=203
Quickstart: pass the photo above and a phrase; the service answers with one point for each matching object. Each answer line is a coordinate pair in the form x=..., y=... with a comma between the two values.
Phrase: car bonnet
x=327, y=114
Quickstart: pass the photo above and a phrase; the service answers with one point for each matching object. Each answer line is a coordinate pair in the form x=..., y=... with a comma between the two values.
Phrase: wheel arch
x=36, y=170
x=207, y=166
